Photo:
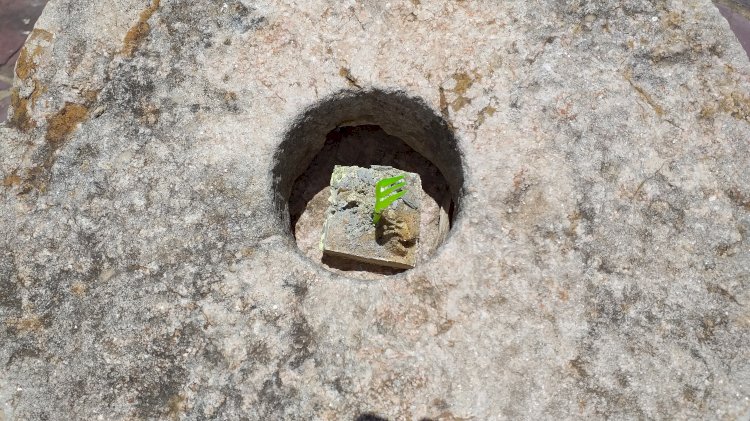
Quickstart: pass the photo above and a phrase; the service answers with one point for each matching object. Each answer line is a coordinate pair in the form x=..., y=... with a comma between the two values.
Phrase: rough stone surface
x=598, y=267
x=349, y=230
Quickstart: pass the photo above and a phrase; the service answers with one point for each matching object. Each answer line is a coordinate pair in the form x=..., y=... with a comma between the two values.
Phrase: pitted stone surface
x=599, y=265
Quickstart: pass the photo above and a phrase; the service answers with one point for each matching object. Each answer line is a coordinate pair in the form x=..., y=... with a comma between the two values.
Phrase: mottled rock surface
x=599, y=264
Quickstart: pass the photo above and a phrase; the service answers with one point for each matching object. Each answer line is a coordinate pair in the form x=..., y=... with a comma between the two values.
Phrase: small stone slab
x=349, y=230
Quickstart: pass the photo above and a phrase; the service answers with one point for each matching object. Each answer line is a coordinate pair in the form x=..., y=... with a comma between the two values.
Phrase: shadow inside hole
x=366, y=127
x=363, y=146
x=349, y=265
x=370, y=417
x=373, y=417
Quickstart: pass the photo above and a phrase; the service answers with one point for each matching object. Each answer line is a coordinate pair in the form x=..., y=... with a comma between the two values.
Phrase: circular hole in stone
x=363, y=129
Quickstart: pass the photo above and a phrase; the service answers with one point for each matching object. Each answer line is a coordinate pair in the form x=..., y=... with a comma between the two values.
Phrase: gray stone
x=598, y=264
x=349, y=230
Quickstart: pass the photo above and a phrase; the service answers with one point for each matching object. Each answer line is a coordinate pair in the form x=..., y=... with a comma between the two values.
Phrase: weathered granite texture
x=599, y=265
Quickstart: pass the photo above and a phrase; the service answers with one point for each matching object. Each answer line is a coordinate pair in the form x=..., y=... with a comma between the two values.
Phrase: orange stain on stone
x=64, y=122
x=26, y=64
x=139, y=31
x=19, y=117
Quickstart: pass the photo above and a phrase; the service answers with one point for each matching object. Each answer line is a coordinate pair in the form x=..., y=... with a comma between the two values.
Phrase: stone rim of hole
x=399, y=114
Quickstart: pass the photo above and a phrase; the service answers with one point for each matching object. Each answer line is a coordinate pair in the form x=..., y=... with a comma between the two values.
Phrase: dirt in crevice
x=645, y=96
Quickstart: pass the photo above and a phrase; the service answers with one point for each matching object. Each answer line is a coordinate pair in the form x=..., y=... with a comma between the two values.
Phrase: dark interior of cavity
x=406, y=118
x=363, y=146
x=365, y=128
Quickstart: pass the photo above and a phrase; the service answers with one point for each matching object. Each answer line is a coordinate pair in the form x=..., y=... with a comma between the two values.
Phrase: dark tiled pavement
x=738, y=16
x=17, y=18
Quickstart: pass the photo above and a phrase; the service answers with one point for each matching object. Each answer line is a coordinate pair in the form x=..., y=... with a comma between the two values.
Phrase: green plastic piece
x=387, y=191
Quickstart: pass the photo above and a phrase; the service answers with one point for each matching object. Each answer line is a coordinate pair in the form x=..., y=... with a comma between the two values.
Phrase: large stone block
x=597, y=264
